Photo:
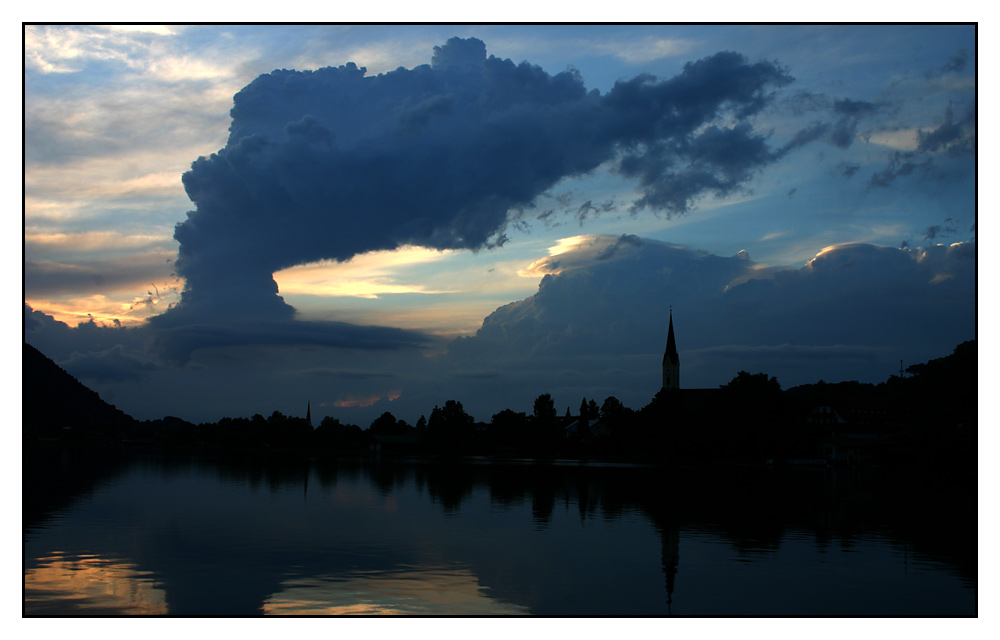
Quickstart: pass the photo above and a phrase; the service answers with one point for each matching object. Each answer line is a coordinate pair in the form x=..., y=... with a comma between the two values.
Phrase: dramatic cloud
x=954, y=140
x=47, y=278
x=368, y=197
x=108, y=351
x=83, y=348
x=596, y=327
x=240, y=368
x=328, y=164
x=177, y=343
x=956, y=136
x=852, y=312
x=850, y=113
x=954, y=64
x=839, y=119
x=936, y=230
x=115, y=364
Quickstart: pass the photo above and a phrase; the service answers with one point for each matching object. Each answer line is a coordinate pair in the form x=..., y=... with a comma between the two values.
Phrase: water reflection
x=88, y=584
x=293, y=536
x=415, y=591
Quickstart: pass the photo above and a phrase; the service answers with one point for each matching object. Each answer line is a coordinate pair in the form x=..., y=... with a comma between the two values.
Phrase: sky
x=229, y=220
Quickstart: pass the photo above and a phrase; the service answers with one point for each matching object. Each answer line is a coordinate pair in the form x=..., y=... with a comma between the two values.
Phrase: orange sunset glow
x=93, y=585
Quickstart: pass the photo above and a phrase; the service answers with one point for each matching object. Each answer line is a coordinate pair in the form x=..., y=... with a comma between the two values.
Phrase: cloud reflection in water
x=89, y=584
x=430, y=590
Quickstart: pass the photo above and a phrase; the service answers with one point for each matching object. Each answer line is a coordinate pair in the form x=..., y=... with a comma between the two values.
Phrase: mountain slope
x=54, y=401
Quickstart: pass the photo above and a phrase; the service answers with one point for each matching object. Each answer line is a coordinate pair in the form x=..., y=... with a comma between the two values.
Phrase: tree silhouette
x=927, y=418
x=340, y=439
x=544, y=408
x=288, y=432
x=387, y=425
x=620, y=421
x=508, y=429
x=749, y=385
x=450, y=427
x=546, y=431
x=593, y=411
x=750, y=416
x=613, y=412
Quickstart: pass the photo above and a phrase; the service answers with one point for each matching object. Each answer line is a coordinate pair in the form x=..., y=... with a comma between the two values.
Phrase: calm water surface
x=186, y=536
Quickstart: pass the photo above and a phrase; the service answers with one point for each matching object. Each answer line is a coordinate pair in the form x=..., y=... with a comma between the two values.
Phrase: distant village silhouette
x=913, y=438
x=928, y=417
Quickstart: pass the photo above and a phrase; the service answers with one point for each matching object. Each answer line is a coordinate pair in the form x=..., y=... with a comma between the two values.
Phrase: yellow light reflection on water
x=90, y=585
x=420, y=591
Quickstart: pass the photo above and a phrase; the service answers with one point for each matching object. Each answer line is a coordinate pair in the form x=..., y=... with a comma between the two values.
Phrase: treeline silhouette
x=927, y=417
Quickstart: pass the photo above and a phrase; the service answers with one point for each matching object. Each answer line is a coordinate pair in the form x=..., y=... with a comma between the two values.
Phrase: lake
x=154, y=534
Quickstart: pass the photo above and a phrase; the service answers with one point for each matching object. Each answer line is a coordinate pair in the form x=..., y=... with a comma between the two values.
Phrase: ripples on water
x=157, y=536
x=63, y=584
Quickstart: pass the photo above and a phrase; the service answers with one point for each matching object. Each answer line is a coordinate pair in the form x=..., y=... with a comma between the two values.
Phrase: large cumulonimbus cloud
x=331, y=163
x=852, y=312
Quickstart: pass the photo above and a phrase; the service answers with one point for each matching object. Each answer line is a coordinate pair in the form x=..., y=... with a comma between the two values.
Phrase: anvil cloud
x=804, y=197
x=331, y=163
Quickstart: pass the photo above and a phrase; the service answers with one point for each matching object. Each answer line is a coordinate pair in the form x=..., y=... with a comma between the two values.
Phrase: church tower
x=671, y=363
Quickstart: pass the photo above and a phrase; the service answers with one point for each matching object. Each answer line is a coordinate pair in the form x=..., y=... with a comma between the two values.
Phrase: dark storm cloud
x=764, y=354
x=955, y=136
x=953, y=141
x=839, y=119
x=115, y=365
x=848, y=169
x=851, y=312
x=716, y=161
x=341, y=374
x=91, y=351
x=331, y=163
x=177, y=343
x=934, y=231
x=850, y=113
x=957, y=62
x=589, y=209
x=476, y=375
x=954, y=65
x=900, y=164
x=811, y=133
x=100, y=352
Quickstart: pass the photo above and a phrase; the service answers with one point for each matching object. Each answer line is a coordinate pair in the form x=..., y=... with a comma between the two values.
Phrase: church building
x=671, y=363
x=691, y=402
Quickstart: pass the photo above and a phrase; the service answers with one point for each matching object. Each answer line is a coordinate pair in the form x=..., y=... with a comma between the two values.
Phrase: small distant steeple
x=671, y=363
x=309, y=419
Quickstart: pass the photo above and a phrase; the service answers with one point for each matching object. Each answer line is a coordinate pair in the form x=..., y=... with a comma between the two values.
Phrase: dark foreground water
x=189, y=536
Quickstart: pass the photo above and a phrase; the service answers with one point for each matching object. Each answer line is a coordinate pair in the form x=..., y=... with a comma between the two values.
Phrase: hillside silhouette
x=59, y=410
x=56, y=403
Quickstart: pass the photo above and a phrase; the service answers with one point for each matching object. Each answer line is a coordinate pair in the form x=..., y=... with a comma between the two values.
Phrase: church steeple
x=309, y=419
x=671, y=363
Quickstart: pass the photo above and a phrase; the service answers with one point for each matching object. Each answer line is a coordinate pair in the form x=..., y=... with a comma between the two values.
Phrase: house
x=578, y=426
x=859, y=430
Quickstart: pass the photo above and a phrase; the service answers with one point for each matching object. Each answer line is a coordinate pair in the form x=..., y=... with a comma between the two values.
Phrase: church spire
x=309, y=419
x=671, y=362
